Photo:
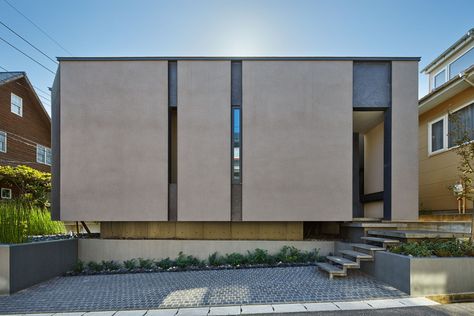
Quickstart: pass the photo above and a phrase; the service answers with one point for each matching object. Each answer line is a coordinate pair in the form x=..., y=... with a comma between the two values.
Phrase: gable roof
x=6, y=77
x=447, y=90
x=9, y=76
x=451, y=49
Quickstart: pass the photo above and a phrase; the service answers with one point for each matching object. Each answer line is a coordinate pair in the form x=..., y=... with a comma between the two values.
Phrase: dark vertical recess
x=387, y=165
x=358, y=175
x=172, y=141
x=387, y=156
x=236, y=141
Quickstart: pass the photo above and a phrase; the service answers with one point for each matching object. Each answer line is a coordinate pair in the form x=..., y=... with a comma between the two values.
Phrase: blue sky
x=259, y=28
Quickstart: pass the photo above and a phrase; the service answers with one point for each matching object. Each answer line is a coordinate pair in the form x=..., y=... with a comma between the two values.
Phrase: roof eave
x=465, y=38
x=248, y=58
x=444, y=89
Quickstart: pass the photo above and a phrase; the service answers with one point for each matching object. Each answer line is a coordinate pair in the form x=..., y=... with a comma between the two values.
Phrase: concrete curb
x=261, y=309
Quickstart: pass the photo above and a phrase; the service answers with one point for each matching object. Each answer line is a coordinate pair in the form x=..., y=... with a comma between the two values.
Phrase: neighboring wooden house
x=451, y=79
x=25, y=126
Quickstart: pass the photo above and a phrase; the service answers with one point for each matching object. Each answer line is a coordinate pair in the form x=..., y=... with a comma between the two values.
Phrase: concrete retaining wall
x=23, y=265
x=423, y=276
x=119, y=249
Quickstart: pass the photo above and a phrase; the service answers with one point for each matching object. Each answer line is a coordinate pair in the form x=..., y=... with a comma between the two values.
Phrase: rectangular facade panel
x=371, y=84
x=204, y=141
x=404, y=140
x=114, y=143
x=297, y=140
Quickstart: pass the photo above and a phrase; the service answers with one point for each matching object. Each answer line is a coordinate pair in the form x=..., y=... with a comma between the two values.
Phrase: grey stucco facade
x=111, y=138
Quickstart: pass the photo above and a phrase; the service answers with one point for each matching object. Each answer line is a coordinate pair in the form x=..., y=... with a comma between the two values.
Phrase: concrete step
x=332, y=270
x=343, y=262
x=380, y=240
x=361, y=256
x=370, y=248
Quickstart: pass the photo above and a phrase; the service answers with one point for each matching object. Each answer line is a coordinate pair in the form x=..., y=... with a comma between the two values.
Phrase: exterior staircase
x=351, y=259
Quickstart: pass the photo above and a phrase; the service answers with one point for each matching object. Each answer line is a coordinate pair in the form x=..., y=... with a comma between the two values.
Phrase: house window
x=3, y=142
x=461, y=126
x=6, y=193
x=462, y=63
x=447, y=131
x=439, y=79
x=43, y=155
x=16, y=105
x=437, y=131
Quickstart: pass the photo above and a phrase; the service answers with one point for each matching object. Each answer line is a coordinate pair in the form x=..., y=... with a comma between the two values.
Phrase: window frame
x=21, y=104
x=6, y=137
x=443, y=118
x=448, y=66
x=5, y=190
x=45, y=162
x=434, y=78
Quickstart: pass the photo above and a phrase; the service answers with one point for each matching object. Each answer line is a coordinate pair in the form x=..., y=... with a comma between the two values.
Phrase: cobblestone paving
x=191, y=289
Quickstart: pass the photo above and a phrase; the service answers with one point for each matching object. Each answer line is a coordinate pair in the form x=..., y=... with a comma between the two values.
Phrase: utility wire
x=39, y=95
x=20, y=51
x=25, y=40
x=39, y=28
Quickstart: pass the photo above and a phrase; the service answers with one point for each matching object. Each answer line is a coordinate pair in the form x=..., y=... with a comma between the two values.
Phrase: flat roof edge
x=145, y=58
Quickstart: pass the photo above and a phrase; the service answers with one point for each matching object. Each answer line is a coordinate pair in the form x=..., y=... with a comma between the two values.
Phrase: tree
x=463, y=139
x=32, y=185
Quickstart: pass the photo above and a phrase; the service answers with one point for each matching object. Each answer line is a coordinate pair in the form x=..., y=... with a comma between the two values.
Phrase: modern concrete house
x=233, y=148
x=451, y=80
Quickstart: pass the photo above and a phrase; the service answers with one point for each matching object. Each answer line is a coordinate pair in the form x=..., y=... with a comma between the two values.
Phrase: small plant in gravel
x=164, y=263
x=260, y=256
x=235, y=259
x=185, y=261
x=215, y=260
x=111, y=265
x=94, y=266
x=146, y=264
x=79, y=267
x=449, y=248
x=130, y=264
x=257, y=258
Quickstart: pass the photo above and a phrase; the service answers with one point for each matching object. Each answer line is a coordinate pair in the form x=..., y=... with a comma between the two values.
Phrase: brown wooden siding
x=439, y=171
x=23, y=133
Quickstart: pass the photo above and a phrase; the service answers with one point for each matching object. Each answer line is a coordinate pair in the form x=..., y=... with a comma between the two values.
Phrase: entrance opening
x=368, y=164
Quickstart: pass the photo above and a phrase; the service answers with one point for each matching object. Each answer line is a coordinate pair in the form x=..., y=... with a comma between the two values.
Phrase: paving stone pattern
x=193, y=289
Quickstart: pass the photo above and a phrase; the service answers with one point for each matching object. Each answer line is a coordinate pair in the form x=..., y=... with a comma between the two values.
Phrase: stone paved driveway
x=191, y=289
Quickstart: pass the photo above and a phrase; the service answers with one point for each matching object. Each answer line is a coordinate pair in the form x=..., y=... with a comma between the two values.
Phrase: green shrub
x=145, y=263
x=449, y=248
x=79, y=267
x=235, y=259
x=215, y=260
x=165, y=263
x=185, y=261
x=33, y=185
x=287, y=254
x=260, y=256
x=111, y=265
x=94, y=266
x=130, y=264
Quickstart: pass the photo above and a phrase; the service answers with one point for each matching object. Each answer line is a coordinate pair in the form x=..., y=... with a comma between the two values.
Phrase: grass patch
x=19, y=219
